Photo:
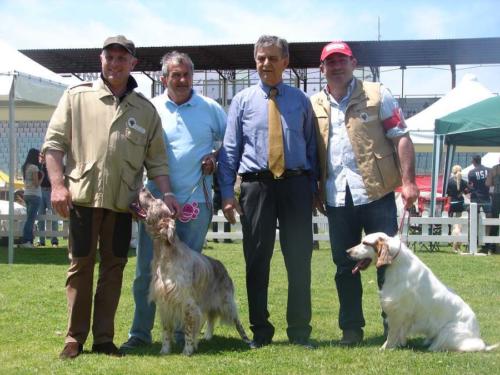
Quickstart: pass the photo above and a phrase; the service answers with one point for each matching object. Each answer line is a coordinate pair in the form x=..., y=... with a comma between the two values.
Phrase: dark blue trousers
x=346, y=227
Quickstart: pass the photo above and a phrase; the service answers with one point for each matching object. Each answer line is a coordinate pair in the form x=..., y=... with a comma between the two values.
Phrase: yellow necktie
x=276, y=159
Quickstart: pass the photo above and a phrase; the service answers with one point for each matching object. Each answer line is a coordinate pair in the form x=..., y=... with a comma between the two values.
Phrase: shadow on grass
x=41, y=255
x=217, y=345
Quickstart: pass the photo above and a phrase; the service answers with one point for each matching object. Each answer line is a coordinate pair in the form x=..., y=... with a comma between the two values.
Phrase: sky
x=32, y=24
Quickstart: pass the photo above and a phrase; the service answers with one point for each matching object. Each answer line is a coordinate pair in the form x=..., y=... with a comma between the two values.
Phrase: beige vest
x=375, y=154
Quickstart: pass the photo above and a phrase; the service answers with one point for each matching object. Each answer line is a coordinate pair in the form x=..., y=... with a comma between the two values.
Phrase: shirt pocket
x=81, y=182
x=293, y=132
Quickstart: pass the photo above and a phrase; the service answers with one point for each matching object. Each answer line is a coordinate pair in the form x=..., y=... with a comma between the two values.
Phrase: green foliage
x=33, y=322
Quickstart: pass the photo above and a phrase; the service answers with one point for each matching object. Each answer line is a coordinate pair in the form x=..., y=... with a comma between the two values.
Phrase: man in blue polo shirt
x=192, y=125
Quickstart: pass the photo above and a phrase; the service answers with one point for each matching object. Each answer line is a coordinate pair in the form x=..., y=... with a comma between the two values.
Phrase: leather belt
x=267, y=175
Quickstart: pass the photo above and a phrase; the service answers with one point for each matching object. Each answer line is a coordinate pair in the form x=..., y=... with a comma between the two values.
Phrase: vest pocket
x=81, y=182
x=388, y=168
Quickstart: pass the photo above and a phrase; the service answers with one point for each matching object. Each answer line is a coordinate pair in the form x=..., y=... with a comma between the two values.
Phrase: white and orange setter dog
x=188, y=288
x=415, y=301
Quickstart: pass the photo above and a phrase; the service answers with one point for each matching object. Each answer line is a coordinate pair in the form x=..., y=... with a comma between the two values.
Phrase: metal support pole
x=12, y=166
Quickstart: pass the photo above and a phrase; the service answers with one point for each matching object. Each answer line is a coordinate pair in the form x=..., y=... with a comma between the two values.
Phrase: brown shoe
x=107, y=348
x=351, y=337
x=71, y=350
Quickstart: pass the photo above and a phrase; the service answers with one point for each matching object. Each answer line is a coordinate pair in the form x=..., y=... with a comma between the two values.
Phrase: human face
x=338, y=70
x=117, y=64
x=179, y=82
x=270, y=65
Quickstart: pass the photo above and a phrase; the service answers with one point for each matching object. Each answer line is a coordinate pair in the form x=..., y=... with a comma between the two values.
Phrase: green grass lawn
x=33, y=322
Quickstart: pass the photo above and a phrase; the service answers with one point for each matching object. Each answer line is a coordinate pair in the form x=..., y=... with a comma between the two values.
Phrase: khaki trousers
x=90, y=227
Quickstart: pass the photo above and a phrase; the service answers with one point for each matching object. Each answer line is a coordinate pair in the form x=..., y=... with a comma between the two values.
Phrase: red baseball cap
x=335, y=47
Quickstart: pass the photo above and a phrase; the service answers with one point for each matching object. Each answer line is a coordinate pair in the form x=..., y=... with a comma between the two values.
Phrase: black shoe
x=258, y=343
x=107, y=348
x=305, y=343
x=132, y=343
x=351, y=337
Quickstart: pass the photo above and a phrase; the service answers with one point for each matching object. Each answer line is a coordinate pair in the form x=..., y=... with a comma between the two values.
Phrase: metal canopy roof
x=302, y=55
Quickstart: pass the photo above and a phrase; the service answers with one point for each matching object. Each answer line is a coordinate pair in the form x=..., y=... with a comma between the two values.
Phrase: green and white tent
x=475, y=125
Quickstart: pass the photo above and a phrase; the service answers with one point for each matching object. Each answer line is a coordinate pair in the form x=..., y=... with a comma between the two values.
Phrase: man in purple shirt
x=266, y=199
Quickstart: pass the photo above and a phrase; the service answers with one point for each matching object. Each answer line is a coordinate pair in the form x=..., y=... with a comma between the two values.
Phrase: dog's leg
x=192, y=320
x=396, y=335
x=209, y=331
x=166, y=346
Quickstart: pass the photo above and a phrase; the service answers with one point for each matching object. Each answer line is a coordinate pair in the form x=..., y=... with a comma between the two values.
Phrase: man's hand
x=228, y=207
x=208, y=164
x=318, y=204
x=172, y=205
x=60, y=198
x=409, y=194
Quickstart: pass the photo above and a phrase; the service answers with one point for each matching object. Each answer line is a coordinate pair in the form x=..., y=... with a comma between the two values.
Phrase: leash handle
x=406, y=214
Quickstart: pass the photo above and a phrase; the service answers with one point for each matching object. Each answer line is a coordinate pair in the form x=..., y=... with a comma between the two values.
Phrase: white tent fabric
x=23, y=81
x=467, y=92
x=34, y=82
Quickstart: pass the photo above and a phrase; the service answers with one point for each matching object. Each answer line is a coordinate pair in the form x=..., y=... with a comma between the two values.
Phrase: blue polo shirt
x=191, y=131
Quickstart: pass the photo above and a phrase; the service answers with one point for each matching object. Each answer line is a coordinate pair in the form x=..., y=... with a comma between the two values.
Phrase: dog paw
x=188, y=351
x=165, y=350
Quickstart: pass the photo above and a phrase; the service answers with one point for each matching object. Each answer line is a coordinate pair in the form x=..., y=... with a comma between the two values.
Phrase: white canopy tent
x=23, y=81
x=467, y=92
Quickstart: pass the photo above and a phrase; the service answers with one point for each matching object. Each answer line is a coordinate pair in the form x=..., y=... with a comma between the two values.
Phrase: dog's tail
x=489, y=348
x=476, y=345
x=241, y=331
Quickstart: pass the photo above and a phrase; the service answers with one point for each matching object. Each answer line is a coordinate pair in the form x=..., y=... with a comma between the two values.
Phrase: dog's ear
x=384, y=256
x=166, y=229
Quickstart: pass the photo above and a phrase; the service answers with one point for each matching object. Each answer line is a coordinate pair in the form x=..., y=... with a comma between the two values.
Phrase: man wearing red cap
x=365, y=152
x=108, y=134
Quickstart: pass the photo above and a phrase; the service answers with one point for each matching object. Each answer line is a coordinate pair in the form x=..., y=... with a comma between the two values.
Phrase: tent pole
x=12, y=161
x=436, y=156
x=450, y=154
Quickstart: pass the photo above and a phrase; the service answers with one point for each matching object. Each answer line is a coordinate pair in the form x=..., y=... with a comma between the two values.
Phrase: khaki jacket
x=107, y=144
x=375, y=154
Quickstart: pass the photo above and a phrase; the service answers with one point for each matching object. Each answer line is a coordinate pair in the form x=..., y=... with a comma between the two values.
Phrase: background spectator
x=45, y=205
x=456, y=189
x=32, y=193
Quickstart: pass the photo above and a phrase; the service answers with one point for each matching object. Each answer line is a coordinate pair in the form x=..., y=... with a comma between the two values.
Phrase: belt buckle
x=282, y=177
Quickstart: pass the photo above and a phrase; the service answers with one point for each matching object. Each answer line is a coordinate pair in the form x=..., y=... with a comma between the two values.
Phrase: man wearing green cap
x=109, y=134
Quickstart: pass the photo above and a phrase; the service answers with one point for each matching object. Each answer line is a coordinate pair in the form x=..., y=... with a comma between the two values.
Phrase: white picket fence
x=419, y=232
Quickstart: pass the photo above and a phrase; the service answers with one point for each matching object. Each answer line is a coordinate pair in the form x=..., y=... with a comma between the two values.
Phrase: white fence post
x=473, y=228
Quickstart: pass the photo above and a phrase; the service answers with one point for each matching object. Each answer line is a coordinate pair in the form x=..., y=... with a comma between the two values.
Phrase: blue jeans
x=193, y=234
x=346, y=226
x=46, y=208
x=32, y=204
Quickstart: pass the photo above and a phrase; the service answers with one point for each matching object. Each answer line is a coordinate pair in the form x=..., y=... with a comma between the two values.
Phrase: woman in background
x=456, y=189
x=32, y=193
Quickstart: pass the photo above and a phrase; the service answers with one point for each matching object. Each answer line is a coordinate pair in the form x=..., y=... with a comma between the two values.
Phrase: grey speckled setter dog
x=189, y=288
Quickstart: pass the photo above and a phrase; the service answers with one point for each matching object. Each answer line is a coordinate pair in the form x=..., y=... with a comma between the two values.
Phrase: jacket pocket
x=388, y=168
x=135, y=148
x=81, y=182
x=129, y=186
